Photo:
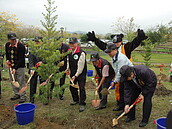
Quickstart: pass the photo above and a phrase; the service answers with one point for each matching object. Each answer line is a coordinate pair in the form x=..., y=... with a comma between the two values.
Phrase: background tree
x=126, y=27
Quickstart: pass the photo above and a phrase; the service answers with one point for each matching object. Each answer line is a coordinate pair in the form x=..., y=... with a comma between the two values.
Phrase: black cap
x=117, y=38
x=125, y=72
x=94, y=57
x=110, y=47
x=11, y=36
x=73, y=40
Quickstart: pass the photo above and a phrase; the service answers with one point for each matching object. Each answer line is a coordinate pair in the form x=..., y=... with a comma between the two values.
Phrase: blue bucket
x=161, y=123
x=25, y=113
x=89, y=73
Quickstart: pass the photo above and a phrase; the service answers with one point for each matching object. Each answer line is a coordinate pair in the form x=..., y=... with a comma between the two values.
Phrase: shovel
x=95, y=102
x=73, y=85
x=105, y=91
x=15, y=83
x=25, y=87
x=115, y=121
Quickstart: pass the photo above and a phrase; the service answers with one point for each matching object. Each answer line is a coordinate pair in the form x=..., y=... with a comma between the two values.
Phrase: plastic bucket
x=161, y=123
x=24, y=113
x=89, y=73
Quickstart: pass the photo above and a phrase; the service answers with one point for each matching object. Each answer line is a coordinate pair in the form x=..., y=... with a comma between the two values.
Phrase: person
x=15, y=59
x=138, y=80
x=34, y=61
x=63, y=48
x=77, y=66
x=125, y=49
x=106, y=73
x=118, y=60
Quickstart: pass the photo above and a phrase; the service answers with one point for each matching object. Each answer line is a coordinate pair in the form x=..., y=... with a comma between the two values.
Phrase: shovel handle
x=70, y=79
x=12, y=75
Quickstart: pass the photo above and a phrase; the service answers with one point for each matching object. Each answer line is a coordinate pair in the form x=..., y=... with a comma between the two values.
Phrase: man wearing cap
x=118, y=60
x=15, y=59
x=77, y=68
x=105, y=73
x=138, y=80
x=126, y=49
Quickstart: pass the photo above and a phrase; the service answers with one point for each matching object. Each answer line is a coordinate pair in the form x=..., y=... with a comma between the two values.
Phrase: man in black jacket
x=138, y=79
x=15, y=58
x=106, y=73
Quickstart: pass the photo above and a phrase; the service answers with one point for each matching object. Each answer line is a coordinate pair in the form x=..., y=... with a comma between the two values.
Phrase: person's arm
x=81, y=64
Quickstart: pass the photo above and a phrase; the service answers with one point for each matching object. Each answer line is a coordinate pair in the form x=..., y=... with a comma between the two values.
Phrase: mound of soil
x=161, y=90
x=7, y=116
x=90, y=85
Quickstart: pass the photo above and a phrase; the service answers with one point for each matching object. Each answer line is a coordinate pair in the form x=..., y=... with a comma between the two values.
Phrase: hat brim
x=12, y=38
x=94, y=59
x=107, y=51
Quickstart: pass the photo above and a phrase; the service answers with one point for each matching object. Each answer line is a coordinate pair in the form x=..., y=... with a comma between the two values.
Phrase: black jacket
x=16, y=55
x=129, y=47
x=146, y=80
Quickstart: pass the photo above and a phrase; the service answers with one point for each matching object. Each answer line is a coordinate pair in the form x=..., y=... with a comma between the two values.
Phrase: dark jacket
x=146, y=81
x=129, y=47
x=33, y=59
x=73, y=63
x=16, y=55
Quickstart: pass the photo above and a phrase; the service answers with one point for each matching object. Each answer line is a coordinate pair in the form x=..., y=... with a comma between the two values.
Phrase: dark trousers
x=103, y=98
x=147, y=104
x=33, y=85
x=81, y=97
x=121, y=103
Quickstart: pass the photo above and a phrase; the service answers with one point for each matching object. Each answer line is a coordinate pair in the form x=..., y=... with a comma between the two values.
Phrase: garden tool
x=115, y=121
x=95, y=102
x=15, y=83
x=44, y=83
x=105, y=91
x=25, y=87
x=73, y=85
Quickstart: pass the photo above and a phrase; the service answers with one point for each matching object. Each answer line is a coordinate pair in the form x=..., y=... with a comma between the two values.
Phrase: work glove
x=91, y=36
x=141, y=35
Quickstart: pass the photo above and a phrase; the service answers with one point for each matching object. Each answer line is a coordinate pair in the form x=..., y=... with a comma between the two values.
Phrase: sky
x=92, y=15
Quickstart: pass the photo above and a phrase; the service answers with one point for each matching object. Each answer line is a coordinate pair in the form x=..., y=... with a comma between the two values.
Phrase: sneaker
x=81, y=108
x=15, y=97
x=74, y=103
x=142, y=124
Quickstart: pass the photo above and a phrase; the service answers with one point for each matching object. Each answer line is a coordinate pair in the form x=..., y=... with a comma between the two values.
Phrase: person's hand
x=126, y=109
x=67, y=71
x=112, y=84
x=13, y=71
x=8, y=63
x=141, y=35
x=61, y=63
x=141, y=97
x=73, y=78
x=91, y=36
x=32, y=72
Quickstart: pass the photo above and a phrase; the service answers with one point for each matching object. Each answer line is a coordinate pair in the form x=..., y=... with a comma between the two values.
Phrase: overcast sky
x=88, y=15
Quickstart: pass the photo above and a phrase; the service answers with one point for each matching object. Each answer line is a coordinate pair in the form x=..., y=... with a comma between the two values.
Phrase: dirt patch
x=90, y=85
x=7, y=116
x=161, y=90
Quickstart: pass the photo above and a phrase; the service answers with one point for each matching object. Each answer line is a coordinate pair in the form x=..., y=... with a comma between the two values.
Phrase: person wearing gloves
x=126, y=49
x=138, y=80
x=15, y=59
x=118, y=60
x=106, y=73
x=77, y=69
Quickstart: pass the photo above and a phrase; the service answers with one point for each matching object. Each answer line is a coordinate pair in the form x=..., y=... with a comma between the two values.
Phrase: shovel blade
x=114, y=122
x=16, y=84
x=22, y=89
x=95, y=103
x=75, y=86
x=104, y=91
